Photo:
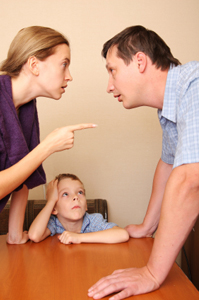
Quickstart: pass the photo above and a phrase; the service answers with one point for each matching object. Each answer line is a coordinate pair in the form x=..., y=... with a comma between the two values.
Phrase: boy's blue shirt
x=91, y=223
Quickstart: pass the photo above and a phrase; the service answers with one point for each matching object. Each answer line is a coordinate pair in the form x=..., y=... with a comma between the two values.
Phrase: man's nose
x=110, y=86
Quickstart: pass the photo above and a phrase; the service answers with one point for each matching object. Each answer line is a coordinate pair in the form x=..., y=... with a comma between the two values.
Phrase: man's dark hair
x=137, y=38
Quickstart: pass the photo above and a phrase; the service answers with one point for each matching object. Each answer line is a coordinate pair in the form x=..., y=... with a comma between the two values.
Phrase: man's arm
x=38, y=230
x=151, y=220
x=111, y=236
x=180, y=209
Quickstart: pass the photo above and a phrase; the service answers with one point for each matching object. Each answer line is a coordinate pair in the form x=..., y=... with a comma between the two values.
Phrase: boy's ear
x=33, y=65
x=54, y=211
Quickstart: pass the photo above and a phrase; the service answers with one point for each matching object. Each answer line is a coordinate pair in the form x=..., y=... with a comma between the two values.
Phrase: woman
x=37, y=65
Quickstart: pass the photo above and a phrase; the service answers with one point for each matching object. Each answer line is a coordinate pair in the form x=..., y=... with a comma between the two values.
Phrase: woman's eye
x=65, y=64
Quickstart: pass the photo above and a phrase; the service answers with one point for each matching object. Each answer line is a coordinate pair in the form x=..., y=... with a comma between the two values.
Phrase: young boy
x=65, y=214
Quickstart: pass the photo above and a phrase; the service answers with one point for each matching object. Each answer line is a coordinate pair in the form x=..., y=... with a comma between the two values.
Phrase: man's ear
x=33, y=65
x=141, y=61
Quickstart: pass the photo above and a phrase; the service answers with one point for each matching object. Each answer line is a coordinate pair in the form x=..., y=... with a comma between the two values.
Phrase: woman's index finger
x=82, y=126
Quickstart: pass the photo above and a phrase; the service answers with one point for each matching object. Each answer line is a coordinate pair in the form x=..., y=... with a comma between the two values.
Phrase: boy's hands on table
x=68, y=237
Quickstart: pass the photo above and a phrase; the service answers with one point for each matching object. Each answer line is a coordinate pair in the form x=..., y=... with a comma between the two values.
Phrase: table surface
x=50, y=270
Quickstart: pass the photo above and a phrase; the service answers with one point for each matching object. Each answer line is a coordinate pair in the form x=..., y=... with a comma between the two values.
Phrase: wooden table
x=52, y=271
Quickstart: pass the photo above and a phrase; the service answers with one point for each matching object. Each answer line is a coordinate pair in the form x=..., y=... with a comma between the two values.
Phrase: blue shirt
x=179, y=117
x=91, y=223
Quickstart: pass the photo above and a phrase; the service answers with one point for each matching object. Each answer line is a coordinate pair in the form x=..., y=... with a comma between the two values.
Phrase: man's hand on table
x=128, y=282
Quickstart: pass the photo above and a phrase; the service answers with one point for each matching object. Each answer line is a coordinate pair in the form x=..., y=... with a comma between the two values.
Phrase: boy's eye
x=65, y=194
x=81, y=192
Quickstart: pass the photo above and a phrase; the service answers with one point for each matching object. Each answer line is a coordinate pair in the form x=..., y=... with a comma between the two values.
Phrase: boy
x=66, y=202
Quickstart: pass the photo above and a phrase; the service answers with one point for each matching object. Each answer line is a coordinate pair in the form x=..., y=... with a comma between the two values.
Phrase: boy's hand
x=52, y=192
x=68, y=237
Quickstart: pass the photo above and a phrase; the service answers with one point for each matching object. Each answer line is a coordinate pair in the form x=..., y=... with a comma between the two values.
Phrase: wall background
x=117, y=160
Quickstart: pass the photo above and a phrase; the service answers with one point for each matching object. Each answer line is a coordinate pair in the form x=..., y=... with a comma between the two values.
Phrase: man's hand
x=129, y=282
x=139, y=231
x=68, y=237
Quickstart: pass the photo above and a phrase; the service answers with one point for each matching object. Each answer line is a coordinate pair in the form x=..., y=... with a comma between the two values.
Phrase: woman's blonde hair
x=35, y=41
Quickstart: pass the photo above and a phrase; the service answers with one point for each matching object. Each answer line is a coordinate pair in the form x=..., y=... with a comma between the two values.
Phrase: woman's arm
x=16, y=217
x=109, y=236
x=58, y=140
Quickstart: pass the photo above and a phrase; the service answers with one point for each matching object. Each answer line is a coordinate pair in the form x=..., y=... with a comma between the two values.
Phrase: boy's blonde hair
x=67, y=175
x=35, y=41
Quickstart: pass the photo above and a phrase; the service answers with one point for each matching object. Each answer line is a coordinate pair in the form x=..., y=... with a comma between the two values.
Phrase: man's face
x=124, y=80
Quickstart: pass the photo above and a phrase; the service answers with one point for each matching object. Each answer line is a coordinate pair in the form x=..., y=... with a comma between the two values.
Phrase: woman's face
x=54, y=73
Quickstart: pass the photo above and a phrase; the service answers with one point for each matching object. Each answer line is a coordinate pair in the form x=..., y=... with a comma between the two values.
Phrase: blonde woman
x=37, y=65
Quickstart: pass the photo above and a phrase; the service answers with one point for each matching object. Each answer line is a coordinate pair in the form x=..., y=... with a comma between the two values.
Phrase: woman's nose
x=68, y=76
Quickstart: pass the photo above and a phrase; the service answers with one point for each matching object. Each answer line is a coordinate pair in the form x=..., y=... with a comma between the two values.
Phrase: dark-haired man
x=142, y=71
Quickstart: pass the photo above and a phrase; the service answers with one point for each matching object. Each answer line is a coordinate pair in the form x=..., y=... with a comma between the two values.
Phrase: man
x=142, y=71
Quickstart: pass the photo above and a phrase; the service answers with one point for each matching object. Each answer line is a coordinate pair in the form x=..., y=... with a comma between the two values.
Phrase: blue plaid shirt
x=91, y=223
x=179, y=117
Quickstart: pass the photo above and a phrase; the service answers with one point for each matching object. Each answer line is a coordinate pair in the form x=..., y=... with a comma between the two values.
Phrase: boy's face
x=124, y=80
x=71, y=203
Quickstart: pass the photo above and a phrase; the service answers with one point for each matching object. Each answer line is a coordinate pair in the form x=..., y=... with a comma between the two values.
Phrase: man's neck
x=156, y=88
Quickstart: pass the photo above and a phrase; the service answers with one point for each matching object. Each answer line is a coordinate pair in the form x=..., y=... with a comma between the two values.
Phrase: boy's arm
x=38, y=230
x=109, y=236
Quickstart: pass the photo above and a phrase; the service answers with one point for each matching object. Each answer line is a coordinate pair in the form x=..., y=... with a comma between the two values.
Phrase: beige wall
x=116, y=161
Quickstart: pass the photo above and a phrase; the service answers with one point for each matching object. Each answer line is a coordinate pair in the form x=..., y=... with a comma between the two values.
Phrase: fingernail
x=95, y=125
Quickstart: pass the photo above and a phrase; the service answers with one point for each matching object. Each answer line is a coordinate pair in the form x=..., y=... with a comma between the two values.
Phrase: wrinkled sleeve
x=52, y=225
x=98, y=223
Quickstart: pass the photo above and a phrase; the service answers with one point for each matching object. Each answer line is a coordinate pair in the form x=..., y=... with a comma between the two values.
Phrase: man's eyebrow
x=108, y=65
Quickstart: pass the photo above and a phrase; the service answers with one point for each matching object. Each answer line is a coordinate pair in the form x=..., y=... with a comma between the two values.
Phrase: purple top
x=18, y=135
